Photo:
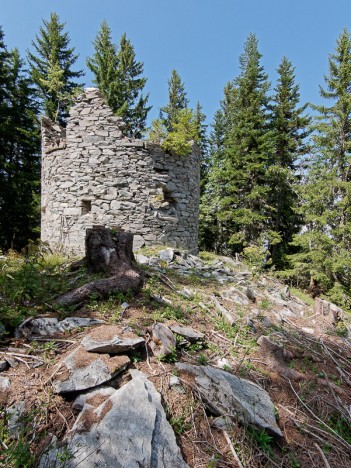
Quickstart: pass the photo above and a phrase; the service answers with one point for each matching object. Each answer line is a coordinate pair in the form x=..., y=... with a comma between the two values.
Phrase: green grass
x=29, y=284
x=208, y=256
x=303, y=296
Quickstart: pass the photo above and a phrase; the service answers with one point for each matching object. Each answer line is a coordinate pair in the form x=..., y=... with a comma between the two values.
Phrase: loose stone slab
x=87, y=370
x=92, y=397
x=128, y=430
x=141, y=259
x=4, y=383
x=112, y=340
x=164, y=338
x=226, y=394
x=14, y=414
x=167, y=255
x=188, y=333
x=49, y=326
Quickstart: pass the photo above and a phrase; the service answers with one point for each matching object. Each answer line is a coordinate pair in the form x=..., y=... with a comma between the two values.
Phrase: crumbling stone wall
x=93, y=175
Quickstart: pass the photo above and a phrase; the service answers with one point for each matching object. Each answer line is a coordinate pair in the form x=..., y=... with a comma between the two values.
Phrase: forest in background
x=275, y=184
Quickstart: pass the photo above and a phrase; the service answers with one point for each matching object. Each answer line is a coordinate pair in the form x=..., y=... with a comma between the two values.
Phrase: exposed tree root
x=109, y=253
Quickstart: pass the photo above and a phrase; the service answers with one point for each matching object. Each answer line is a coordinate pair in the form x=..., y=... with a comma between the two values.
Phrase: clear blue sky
x=201, y=39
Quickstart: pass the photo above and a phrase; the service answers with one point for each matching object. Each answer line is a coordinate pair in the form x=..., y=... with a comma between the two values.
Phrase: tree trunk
x=109, y=253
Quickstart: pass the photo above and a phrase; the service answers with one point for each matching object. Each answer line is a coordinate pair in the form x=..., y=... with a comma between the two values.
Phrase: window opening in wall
x=167, y=196
x=160, y=170
x=86, y=206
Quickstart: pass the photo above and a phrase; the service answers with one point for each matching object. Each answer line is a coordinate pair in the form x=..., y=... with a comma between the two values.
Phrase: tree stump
x=110, y=253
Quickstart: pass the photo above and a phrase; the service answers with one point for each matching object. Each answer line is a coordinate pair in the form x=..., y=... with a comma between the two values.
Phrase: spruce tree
x=19, y=162
x=177, y=100
x=210, y=228
x=4, y=120
x=134, y=108
x=200, y=119
x=324, y=256
x=118, y=75
x=290, y=129
x=104, y=65
x=51, y=68
x=244, y=207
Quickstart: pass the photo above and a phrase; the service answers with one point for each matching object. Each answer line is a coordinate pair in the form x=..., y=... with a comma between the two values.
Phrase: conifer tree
x=134, y=108
x=104, y=65
x=244, y=208
x=51, y=68
x=324, y=257
x=19, y=154
x=290, y=129
x=118, y=75
x=4, y=116
x=177, y=100
x=200, y=119
x=210, y=228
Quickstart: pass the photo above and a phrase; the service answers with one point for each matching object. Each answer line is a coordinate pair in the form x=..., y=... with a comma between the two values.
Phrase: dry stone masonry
x=93, y=175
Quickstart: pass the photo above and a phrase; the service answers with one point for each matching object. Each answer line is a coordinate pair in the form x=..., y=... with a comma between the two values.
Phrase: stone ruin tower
x=93, y=175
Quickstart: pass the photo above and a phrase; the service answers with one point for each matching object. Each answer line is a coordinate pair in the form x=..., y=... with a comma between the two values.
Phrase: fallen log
x=110, y=253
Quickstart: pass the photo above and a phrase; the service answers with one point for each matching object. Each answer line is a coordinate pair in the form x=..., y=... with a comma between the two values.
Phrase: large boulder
x=226, y=394
x=128, y=430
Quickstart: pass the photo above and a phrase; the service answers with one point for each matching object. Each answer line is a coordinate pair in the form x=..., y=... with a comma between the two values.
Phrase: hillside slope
x=247, y=329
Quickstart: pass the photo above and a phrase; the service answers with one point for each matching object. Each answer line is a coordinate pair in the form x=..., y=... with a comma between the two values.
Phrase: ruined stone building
x=93, y=175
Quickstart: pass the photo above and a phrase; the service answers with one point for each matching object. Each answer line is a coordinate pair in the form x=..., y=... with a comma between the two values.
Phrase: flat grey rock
x=286, y=313
x=296, y=308
x=83, y=370
x=187, y=333
x=226, y=394
x=14, y=417
x=90, y=397
x=163, y=337
x=167, y=255
x=128, y=430
x=142, y=259
x=111, y=339
x=49, y=326
x=175, y=384
x=11, y=361
x=4, y=383
x=237, y=296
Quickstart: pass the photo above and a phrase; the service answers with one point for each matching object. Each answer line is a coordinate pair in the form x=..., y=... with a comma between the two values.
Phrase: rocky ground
x=210, y=365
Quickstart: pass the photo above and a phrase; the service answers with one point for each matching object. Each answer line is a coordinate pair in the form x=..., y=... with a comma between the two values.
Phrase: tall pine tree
x=200, y=119
x=19, y=153
x=4, y=127
x=104, y=65
x=118, y=76
x=290, y=129
x=210, y=228
x=244, y=208
x=324, y=257
x=51, y=68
